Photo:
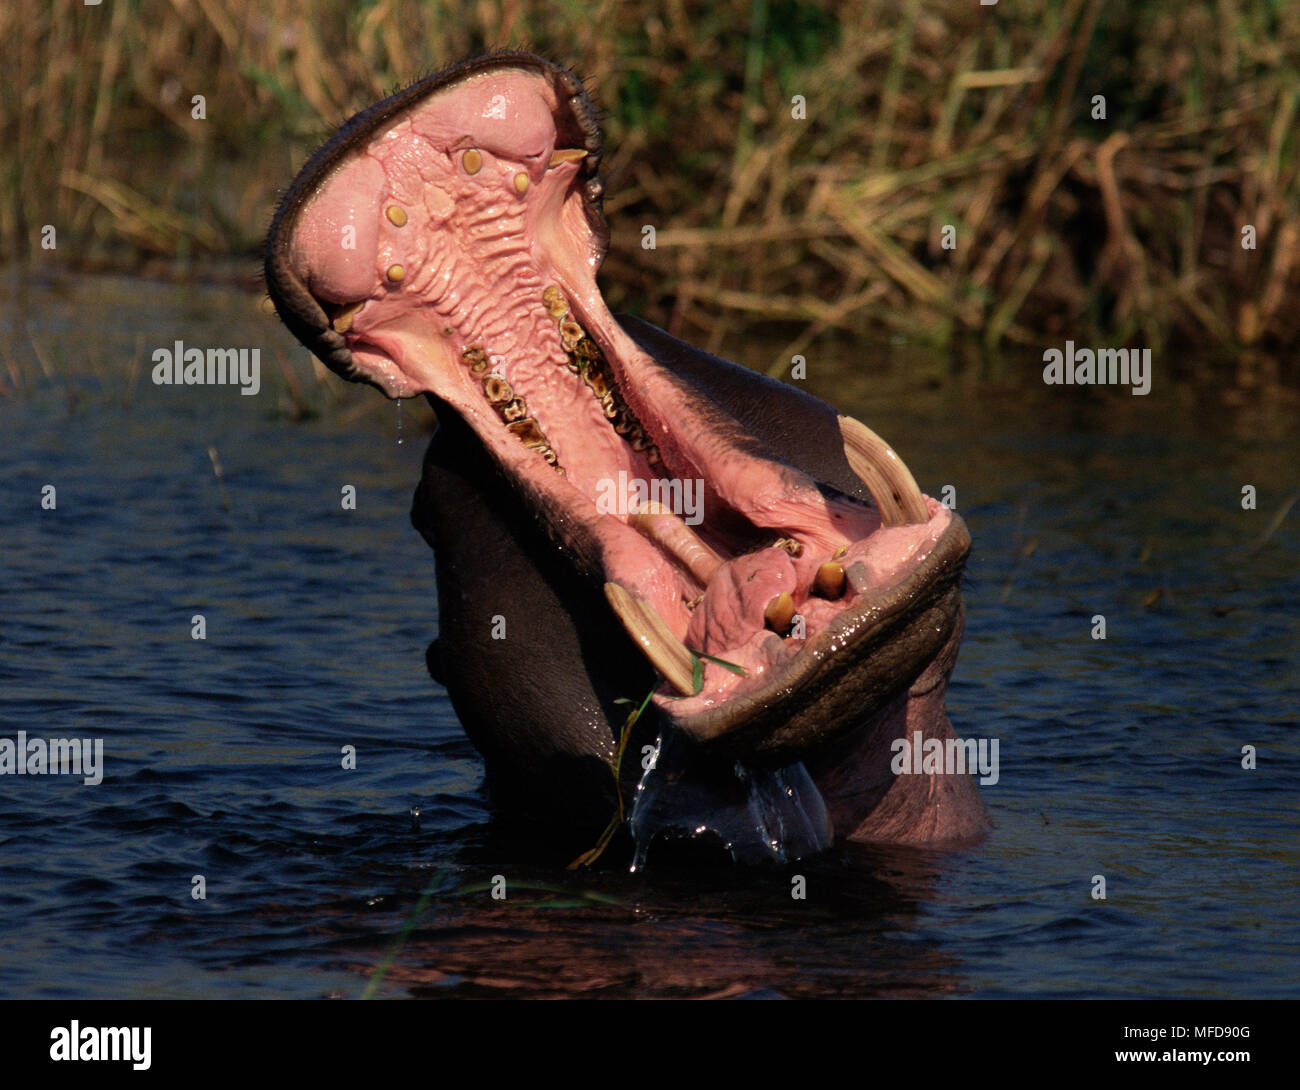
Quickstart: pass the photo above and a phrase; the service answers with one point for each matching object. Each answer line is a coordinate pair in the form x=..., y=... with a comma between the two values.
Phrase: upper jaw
x=304, y=311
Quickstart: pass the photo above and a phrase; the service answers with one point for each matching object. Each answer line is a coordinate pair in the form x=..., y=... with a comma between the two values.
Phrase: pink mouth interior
x=449, y=228
x=731, y=614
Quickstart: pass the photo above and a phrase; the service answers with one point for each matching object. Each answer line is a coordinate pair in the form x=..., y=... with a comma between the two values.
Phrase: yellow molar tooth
x=473, y=161
x=396, y=215
x=521, y=182
x=556, y=305
x=396, y=273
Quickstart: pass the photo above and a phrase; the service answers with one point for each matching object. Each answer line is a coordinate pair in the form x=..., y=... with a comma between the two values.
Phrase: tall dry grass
x=919, y=116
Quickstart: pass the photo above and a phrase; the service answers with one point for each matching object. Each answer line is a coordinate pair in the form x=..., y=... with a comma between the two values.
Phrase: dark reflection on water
x=689, y=932
x=223, y=756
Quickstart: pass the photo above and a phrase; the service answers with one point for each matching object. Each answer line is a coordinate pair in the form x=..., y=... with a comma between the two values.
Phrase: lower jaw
x=851, y=671
x=869, y=801
x=692, y=802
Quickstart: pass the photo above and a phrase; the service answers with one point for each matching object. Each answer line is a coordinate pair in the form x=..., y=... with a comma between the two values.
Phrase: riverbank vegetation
x=1015, y=174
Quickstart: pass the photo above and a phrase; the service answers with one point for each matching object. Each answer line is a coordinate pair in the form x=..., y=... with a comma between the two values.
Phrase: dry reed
x=919, y=117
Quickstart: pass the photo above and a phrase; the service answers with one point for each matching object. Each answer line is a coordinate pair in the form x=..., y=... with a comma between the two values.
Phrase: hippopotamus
x=616, y=515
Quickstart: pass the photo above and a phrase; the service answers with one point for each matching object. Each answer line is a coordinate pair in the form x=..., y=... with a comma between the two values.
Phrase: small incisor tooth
x=651, y=633
x=779, y=613
x=829, y=582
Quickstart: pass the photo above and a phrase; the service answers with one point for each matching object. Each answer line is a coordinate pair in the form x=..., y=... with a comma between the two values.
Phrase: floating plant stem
x=376, y=978
x=587, y=858
x=733, y=667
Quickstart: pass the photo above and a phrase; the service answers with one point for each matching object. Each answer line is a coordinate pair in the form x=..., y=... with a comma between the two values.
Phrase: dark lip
x=300, y=311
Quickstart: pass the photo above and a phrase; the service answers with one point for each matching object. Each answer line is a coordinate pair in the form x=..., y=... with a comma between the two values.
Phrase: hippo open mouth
x=446, y=242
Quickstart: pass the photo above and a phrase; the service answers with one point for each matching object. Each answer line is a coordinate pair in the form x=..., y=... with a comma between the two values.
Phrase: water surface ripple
x=1119, y=757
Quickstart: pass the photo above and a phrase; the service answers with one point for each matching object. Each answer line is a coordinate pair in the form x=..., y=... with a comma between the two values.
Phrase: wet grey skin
x=540, y=706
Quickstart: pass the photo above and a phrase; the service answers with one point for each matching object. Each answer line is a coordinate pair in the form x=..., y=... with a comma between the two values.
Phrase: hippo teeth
x=566, y=155
x=780, y=613
x=670, y=533
x=651, y=633
x=886, y=476
x=343, y=319
x=830, y=579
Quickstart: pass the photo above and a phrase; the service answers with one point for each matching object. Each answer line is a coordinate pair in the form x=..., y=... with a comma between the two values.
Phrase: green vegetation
x=919, y=115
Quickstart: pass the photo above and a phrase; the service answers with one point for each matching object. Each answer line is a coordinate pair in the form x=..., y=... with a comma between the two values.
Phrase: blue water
x=1119, y=758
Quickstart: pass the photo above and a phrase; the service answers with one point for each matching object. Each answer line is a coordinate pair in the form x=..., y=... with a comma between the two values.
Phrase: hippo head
x=650, y=508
